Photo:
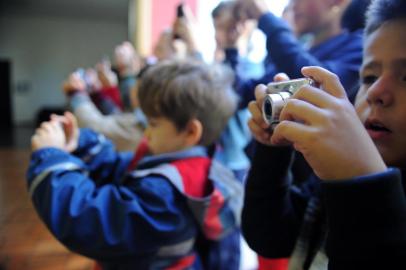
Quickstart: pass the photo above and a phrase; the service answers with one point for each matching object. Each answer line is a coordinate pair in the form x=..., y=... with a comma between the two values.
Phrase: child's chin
x=388, y=155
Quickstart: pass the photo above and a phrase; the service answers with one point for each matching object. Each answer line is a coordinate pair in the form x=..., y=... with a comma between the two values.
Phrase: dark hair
x=381, y=11
x=354, y=15
x=143, y=70
x=182, y=91
x=221, y=7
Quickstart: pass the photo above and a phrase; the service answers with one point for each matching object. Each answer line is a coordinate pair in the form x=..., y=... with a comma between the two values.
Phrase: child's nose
x=381, y=91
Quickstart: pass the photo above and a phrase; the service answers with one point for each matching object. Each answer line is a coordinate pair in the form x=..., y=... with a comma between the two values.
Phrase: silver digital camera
x=277, y=94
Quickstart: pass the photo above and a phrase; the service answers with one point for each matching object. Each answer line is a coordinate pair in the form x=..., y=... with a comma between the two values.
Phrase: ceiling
x=116, y=10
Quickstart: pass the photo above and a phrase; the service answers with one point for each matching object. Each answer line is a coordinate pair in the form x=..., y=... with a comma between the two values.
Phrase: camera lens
x=272, y=106
x=267, y=110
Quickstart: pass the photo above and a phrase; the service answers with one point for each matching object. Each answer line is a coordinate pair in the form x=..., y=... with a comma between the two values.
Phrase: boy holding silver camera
x=142, y=210
x=355, y=216
x=331, y=45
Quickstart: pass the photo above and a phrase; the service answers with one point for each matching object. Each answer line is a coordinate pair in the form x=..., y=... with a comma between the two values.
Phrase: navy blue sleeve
x=341, y=55
x=273, y=206
x=366, y=222
x=107, y=221
x=231, y=58
x=102, y=161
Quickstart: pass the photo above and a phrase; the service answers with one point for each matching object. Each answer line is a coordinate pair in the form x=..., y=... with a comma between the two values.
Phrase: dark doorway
x=5, y=94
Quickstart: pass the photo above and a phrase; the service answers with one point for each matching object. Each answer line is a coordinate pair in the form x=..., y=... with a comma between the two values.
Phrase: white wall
x=43, y=50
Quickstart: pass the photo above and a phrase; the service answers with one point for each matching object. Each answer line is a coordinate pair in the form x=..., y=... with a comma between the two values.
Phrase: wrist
x=127, y=73
x=376, y=167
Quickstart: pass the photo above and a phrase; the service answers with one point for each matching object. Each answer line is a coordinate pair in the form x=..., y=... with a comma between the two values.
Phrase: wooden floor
x=25, y=243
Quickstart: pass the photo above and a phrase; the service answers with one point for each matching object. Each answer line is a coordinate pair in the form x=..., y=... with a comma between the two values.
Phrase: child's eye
x=369, y=79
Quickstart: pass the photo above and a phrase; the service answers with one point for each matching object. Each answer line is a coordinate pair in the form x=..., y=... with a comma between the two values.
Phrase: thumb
x=260, y=92
x=189, y=14
x=280, y=77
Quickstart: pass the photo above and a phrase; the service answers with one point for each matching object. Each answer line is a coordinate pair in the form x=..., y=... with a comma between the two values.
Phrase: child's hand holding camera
x=60, y=132
x=324, y=127
x=126, y=59
x=74, y=83
x=105, y=75
x=259, y=128
x=321, y=124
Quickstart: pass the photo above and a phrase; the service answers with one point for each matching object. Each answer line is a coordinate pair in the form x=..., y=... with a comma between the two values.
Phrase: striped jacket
x=146, y=218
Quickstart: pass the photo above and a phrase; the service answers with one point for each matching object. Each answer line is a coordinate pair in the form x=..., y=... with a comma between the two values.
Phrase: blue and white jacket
x=145, y=218
x=341, y=54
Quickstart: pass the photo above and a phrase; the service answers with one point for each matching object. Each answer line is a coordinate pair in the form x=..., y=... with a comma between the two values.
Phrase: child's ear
x=194, y=131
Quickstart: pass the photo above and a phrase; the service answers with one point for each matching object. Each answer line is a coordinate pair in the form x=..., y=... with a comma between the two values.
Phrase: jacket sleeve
x=288, y=55
x=105, y=221
x=273, y=206
x=125, y=84
x=123, y=129
x=245, y=87
x=101, y=159
x=366, y=222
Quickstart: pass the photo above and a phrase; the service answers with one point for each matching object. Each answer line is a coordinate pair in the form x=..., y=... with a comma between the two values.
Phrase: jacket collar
x=154, y=160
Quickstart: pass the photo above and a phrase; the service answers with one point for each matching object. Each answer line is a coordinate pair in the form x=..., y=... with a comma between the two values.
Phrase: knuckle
x=291, y=104
x=312, y=138
x=281, y=127
x=252, y=105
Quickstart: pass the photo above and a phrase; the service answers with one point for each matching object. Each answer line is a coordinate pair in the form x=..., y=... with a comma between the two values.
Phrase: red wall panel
x=163, y=15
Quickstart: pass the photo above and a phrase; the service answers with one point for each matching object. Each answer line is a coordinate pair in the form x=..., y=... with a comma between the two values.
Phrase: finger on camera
x=260, y=92
x=257, y=129
x=256, y=114
x=315, y=96
x=57, y=123
x=71, y=123
x=259, y=134
x=289, y=131
x=47, y=126
x=57, y=126
x=70, y=117
x=41, y=132
x=254, y=109
x=281, y=77
x=58, y=118
x=190, y=17
x=301, y=111
x=328, y=81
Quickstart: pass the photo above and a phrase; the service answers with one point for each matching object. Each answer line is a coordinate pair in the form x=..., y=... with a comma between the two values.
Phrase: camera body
x=179, y=10
x=84, y=76
x=179, y=14
x=277, y=94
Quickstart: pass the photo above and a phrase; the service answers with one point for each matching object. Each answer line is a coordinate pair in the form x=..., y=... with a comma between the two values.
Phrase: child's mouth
x=376, y=129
